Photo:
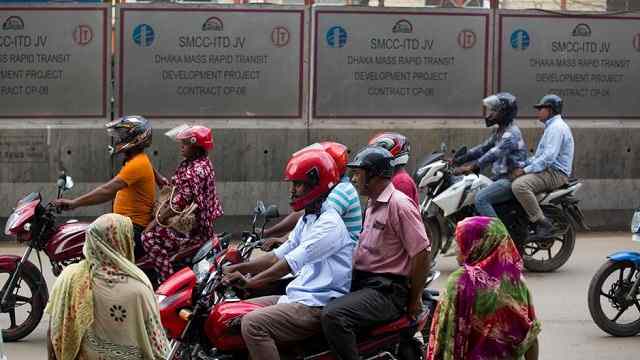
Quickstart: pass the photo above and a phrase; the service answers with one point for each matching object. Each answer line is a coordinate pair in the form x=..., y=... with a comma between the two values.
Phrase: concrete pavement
x=560, y=299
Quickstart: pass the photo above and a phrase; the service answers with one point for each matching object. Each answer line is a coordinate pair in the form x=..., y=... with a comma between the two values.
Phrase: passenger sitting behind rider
x=549, y=168
x=399, y=146
x=319, y=251
x=390, y=262
x=504, y=149
x=193, y=181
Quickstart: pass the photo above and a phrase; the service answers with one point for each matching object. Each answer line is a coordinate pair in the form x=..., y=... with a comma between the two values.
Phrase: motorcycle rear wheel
x=35, y=298
x=567, y=240
x=615, y=297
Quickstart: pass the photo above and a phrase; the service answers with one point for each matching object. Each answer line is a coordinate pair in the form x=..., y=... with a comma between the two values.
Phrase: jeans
x=499, y=191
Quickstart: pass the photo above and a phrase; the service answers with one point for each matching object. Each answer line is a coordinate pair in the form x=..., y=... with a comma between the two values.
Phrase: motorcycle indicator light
x=185, y=314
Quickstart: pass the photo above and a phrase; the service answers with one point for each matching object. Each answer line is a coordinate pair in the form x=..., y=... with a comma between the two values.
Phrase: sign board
x=211, y=61
x=590, y=61
x=54, y=61
x=399, y=63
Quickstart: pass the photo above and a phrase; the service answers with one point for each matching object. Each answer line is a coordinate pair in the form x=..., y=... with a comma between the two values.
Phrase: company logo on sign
x=467, y=39
x=82, y=35
x=336, y=37
x=13, y=23
x=403, y=26
x=143, y=35
x=520, y=40
x=581, y=30
x=280, y=36
x=213, y=24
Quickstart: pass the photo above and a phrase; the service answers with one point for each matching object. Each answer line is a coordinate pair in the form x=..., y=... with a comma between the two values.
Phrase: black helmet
x=503, y=108
x=551, y=101
x=129, y=133
x=377, y=161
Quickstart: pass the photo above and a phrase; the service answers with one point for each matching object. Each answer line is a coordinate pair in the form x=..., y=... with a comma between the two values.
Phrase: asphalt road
x=560, y=299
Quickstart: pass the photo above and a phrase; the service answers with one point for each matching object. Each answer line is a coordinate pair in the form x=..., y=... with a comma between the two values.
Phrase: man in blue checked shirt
x=319, y=252
x=505, y=150
x=549, y=168
x=343, y=198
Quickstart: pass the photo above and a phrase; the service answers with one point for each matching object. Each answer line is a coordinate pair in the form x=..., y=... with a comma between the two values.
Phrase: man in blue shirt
x=319, y=252
x=505, y=150
x=549, y=168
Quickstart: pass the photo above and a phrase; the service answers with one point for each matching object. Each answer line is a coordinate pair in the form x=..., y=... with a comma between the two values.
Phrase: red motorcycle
x=24, y=288
x=202, y=316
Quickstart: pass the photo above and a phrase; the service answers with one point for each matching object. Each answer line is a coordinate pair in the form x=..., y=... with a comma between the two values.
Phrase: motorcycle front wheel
x=24, y=307
x=610, y=307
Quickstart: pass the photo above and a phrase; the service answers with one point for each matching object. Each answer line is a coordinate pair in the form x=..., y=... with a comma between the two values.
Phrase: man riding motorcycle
x=344, y=198
x=399, y=146
x=133, y=189
x=549, y=168
x=390, y=262
x=319, y=251
x=505, y=149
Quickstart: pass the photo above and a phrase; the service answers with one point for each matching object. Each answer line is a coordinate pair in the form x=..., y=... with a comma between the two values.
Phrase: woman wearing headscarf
x=103, y=307
x=194, y=182
x=486, y=312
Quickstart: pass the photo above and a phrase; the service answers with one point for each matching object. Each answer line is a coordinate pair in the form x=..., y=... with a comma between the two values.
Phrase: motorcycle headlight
x=635, y=222
x=202, y=269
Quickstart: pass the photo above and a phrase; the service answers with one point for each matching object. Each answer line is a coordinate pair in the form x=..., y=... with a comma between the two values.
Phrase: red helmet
x=197, y=135
x=317, y=170
x=339, y=153
x=397, y=144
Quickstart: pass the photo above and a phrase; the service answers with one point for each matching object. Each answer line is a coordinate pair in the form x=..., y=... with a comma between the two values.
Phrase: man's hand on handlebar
x=272, y=243
x=235, y=279
x=464, y=169
x=65, y=204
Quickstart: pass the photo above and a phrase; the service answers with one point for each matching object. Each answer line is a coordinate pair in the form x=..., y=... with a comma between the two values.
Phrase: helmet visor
x=492, y=103
x=173, y=133
x=119, y=135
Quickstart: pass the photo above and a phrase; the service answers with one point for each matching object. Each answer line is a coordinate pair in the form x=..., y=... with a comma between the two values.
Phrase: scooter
x=450, y=198
x=202, y=316
x=614, y=291
x=24, y=286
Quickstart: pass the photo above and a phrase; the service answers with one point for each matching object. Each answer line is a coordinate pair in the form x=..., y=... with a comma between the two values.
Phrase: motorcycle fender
x=8, y=262
x=577, y=216
x=630, y=256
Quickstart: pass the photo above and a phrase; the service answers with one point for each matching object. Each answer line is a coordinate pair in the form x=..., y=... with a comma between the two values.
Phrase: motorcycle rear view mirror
x=460, y=152
x=260, y=208
x=271, y=212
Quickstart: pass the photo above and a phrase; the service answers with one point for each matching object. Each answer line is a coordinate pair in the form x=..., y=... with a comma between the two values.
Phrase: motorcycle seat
x=401, y=323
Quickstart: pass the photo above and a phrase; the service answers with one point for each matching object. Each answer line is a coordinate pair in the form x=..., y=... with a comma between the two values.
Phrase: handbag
x=182, y=221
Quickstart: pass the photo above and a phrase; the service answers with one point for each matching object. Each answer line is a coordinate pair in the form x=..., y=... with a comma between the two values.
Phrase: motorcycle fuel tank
x=220, y=328
x=67, y=241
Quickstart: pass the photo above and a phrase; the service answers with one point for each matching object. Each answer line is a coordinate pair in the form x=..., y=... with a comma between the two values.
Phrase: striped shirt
x=344, y=199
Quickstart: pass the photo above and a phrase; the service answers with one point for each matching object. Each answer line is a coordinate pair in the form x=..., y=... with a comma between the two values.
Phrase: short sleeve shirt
x=345, y=200
x=393, y=233
x=137, y=199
